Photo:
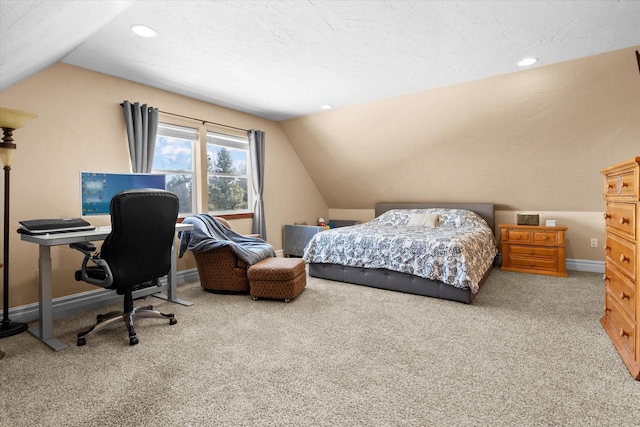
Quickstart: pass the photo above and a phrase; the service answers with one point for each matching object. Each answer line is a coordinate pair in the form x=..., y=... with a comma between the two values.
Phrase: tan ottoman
x=277, y=278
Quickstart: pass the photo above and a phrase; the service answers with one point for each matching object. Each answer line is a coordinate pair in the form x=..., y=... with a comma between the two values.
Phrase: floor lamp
x=10, y=120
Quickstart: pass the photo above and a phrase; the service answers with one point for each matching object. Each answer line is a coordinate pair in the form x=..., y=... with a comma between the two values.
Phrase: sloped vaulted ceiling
x=284, y=59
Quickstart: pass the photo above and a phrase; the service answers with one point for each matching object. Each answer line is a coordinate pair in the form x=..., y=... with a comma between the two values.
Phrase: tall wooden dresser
x=622, y=229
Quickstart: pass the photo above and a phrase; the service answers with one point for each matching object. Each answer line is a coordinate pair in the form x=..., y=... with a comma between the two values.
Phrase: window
x=174, y=156
x=228, y=183
x=208, y=171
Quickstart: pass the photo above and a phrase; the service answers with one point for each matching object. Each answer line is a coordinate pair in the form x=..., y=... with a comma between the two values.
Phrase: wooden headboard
x=485, y=210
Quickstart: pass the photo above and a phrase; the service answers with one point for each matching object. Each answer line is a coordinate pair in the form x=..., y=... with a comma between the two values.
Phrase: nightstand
x=533, y=249
x=296, y=237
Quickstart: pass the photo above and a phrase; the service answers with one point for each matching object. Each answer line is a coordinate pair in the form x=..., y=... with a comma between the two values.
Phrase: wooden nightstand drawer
x=620, y=288
x=620, y=326
x=621, y=219
x=537, y=251
x=622, y=254
x=519, y=236
x=534, y=263
x=545, y=237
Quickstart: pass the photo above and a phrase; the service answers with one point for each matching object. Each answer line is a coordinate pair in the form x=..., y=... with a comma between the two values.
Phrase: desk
x=44, y=330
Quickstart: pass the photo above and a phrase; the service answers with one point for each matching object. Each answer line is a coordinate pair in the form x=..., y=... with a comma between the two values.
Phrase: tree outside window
x=228, y=174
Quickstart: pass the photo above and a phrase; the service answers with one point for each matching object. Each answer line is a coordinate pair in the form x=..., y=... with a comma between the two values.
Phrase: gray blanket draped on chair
x=208, y=233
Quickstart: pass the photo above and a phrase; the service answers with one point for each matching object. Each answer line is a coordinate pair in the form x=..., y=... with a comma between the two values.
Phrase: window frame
x=200, y=173
x=232, y=142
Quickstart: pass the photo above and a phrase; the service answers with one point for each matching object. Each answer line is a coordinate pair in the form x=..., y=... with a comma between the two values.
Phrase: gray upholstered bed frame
x=402, y=282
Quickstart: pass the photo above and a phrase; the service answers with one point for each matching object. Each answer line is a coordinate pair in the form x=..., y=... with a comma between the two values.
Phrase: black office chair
x=134, y=255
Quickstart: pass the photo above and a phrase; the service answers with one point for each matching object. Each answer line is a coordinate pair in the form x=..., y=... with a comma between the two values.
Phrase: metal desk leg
x=44, y=330
x=172, y=282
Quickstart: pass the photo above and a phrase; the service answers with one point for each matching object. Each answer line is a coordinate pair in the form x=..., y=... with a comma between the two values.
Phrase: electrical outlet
x=594, y=243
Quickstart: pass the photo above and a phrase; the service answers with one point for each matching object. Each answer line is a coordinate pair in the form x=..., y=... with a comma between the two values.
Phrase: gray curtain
x=256, y=148
x=141, y=122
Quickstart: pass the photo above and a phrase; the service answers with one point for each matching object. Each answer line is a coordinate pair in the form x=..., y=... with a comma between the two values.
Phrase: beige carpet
x=529, y=351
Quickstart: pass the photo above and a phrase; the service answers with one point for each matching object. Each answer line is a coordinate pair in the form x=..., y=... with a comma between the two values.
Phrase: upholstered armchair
x=221, y=270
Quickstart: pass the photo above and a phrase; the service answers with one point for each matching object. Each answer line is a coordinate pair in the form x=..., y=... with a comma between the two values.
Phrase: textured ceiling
x=284, y=59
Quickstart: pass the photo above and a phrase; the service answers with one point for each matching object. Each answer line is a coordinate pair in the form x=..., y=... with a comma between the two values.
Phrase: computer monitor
x=98, y=188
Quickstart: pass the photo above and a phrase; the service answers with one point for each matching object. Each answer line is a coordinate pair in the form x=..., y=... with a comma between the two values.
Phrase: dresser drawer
x=622, y=254
x=538, y=251
x=620, y=324
x=621, y=219
x=611, y=185
x=627, y=185
x=621, y=289
x=550, y=264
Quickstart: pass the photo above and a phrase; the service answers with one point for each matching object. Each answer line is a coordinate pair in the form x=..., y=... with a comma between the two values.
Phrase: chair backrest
x=138, y=249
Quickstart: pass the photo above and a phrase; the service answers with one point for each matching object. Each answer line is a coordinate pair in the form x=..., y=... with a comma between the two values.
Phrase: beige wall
x=530, y=141
x=80, y=128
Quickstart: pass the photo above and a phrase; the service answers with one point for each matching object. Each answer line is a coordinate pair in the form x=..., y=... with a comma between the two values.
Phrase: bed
x=440, y=250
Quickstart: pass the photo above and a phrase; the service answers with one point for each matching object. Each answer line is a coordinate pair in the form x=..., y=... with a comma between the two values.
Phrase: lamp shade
x=14, y=119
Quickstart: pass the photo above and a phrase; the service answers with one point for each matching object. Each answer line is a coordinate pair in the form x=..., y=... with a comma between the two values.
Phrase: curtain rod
x=203, y=121
x=197, y=120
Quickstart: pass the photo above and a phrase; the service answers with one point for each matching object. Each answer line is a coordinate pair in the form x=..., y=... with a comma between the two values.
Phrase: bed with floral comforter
x=424, y=247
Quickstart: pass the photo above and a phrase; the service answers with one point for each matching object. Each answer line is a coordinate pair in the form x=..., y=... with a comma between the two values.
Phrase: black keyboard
x=54, y=225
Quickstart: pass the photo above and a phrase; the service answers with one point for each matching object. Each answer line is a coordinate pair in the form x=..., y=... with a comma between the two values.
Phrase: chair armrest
x=86, y=248
x=100, y=275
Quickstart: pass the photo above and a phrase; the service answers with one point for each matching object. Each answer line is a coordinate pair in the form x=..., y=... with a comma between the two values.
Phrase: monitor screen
x=98, y=188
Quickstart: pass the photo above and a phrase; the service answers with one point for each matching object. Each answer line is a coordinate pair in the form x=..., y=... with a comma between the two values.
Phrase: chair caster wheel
x=81, y=341
x=173, y=321
x=133, y=340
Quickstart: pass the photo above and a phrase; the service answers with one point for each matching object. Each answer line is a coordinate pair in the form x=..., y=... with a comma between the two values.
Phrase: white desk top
x=99, y=233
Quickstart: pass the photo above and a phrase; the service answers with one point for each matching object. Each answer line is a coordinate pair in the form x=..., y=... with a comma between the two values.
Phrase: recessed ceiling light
x=527, y=61
x=144, y=31
x=327, y=107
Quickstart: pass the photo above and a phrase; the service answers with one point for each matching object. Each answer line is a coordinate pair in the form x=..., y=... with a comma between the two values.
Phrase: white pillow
x=427, y=220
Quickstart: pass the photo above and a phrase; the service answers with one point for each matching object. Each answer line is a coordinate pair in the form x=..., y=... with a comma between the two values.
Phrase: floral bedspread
x=458, y=250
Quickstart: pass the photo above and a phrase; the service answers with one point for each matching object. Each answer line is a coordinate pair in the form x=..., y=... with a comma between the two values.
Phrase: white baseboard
x=573, y=264
x=585, y=265
x=77, y=303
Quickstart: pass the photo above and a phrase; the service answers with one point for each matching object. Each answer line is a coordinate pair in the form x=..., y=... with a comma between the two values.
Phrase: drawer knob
x=624, y=220
x=624, y=184
x=624, y=258
x=607, y=248
x=518, y=237
x=606, y=278
x=623, y=333
x=607, y=215
x=623, y=295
